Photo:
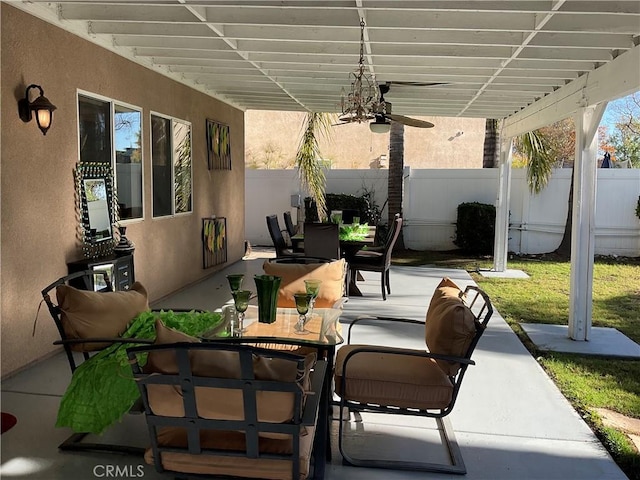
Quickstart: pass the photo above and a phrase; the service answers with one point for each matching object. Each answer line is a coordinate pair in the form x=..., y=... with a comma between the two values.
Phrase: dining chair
x=288, y=223
x=377, y=261
x=322, y=240
x=278, y=240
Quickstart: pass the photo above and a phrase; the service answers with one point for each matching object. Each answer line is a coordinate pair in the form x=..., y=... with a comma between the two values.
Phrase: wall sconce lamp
x=41, y=106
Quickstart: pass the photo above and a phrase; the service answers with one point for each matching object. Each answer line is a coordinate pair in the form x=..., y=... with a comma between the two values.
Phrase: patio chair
x=378, y=261
x=295, y=270
x=277, y=238
x=231, y=410
x=322, y=240
x=288, y=223
x=89, y=321
x=426, y=383
x=291, y=230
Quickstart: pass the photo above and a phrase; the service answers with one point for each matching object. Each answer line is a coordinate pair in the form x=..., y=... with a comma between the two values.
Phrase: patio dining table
x=323, y=335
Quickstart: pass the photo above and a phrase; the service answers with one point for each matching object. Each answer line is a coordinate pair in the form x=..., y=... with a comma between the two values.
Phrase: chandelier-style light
x=361, y=103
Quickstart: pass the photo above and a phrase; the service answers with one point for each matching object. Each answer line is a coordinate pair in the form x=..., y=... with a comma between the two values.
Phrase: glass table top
x=322, y=325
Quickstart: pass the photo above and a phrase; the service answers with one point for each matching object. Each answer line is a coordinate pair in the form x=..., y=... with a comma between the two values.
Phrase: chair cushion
x=450, y=325
x=216, y=403
x=87, y=314
x=393, y=380
x=268, y=468
x=293, y=276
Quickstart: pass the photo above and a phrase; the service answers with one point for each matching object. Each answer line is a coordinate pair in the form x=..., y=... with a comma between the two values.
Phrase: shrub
x=339, y=201
x=475, y=228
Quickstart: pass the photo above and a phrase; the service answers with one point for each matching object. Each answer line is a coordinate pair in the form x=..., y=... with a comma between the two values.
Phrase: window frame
x=172, y=119
x=112, y=134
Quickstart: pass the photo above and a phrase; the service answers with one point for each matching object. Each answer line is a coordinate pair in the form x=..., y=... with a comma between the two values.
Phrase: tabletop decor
x=267, y=287
x=354, y=231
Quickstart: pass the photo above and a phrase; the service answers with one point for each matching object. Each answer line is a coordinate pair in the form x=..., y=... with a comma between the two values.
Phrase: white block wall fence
x=431, y=198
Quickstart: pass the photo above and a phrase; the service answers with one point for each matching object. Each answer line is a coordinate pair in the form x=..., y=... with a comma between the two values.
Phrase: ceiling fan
x=365, y=99
x=383, y=116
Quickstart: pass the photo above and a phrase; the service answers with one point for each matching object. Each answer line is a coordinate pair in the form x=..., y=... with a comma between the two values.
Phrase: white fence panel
x=431, y=200
x=432, y=197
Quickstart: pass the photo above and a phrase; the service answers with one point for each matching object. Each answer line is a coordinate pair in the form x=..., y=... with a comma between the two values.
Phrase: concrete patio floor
x=510, y=420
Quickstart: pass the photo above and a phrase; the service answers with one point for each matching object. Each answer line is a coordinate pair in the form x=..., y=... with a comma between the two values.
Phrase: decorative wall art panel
x=218, y=146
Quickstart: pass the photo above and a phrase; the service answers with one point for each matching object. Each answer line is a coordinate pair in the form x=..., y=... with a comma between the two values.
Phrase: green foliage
x=475, y=227
x=638, y=208
x=308, y=158
x=536, y=148
x=353, y=232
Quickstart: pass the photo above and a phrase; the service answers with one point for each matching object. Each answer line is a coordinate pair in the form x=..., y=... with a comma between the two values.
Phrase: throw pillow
x=87, y=314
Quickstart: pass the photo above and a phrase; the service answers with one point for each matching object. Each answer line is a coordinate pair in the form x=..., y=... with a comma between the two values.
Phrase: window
x=128, y=161
x=171, y=166
x=111, y=133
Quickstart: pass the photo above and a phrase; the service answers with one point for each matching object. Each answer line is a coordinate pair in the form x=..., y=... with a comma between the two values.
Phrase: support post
x=501, y=239
x=583, y=221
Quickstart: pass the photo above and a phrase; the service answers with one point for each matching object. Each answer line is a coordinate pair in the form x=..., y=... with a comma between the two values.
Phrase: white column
x=583, y=221
x=501, y=239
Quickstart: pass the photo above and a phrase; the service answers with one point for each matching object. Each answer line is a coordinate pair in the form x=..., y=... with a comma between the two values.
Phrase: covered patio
x=527, y=62
x=510, y=420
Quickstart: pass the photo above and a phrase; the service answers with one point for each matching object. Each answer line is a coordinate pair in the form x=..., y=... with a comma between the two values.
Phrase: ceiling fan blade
x=411, y=122
x=416, y=84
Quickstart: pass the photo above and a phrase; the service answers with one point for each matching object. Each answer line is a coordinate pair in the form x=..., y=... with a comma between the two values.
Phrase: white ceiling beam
x=618, y=78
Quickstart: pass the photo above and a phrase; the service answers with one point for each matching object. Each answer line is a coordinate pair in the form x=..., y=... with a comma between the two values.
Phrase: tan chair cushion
x=392, y=380
x=294, y=274
x=449, y=326
x=274, y=469
x=87, y=314
x=164, y=361
x=216, y=403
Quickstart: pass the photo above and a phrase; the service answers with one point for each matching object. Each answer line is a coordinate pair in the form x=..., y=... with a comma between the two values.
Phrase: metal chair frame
x=277, y=238
x=305, y=413
x=74, y=441
x=380, y=263
x=447, y=434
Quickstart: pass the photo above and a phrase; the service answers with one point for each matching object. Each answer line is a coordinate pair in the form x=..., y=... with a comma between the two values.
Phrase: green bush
x=475, y=228
x=339, y=201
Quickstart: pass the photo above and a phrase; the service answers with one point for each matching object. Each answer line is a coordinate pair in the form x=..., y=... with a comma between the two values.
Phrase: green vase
x=267, y=287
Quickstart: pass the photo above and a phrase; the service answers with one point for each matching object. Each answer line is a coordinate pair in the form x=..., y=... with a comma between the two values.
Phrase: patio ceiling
x=496, y=57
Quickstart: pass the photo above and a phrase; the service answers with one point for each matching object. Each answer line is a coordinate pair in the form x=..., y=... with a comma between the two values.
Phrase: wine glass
x=312, y=286
x=235, y=281
x=241, y=300
x=302, y=306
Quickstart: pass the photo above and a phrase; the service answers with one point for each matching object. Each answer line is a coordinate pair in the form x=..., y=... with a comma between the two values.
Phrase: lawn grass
x=588, y=382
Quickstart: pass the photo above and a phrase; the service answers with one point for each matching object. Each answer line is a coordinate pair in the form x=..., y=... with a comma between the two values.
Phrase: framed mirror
x=96, y=207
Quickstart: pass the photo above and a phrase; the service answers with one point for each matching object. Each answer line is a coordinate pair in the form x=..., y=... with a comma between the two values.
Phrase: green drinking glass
x=241, y=300
x=235, y=281
x=312, y=286
x=302, y=306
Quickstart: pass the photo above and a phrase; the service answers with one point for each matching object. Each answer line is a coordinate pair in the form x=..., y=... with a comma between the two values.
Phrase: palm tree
x=396, y=168
x=535, y=146
x=316, y=125
x=491, y=142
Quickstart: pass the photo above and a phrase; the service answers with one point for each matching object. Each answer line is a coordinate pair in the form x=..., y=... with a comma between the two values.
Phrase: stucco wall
x=38, y=219
x=272, y=139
